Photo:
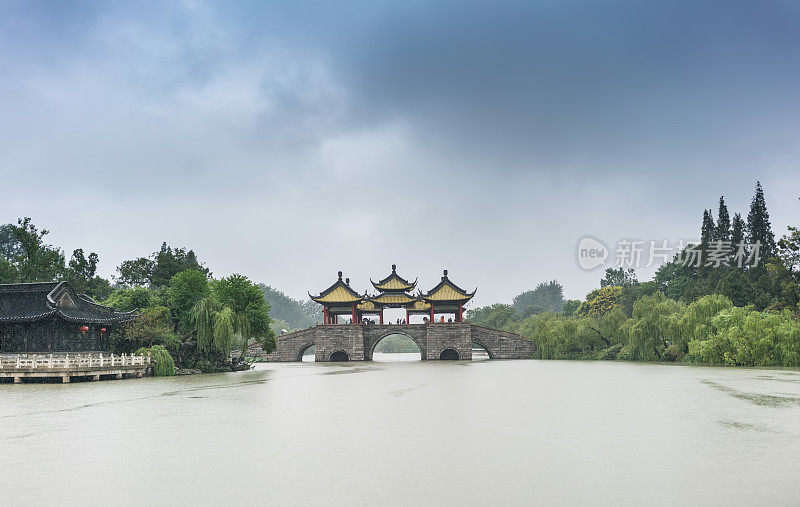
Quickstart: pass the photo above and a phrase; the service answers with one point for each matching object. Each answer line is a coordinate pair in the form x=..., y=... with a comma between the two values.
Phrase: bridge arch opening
x=448, y=355
x=307, y=353
x=396, y=347
x=339, y=356
x=481, y=352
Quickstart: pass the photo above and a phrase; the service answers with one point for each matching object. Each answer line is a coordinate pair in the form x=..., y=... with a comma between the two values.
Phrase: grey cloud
x=289, y=140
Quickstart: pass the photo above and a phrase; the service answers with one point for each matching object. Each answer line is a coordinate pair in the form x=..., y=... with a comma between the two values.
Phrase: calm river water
x=487, y=432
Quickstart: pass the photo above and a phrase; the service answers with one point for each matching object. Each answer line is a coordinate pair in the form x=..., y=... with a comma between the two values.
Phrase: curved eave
x=117, y=318
x=323, y=302
x=439, y=302
x=406, y=285
x=120, y=318
x=378, y=300
x=466, y=296
x=332, y=288
x=28, y=318
x=372, y=309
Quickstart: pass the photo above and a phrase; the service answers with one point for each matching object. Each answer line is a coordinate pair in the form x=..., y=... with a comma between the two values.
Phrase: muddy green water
x=386, y=433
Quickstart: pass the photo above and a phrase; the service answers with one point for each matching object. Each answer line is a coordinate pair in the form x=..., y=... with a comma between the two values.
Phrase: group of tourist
x=425, y=320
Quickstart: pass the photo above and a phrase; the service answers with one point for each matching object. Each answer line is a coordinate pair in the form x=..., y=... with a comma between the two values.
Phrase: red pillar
x=461, y=312
x=408, y=319
x=431, y=312
x=354, y=313
x=381, y=316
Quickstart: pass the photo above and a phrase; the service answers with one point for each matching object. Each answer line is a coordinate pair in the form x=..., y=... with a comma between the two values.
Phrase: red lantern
x=102, y=330
x=83, y=329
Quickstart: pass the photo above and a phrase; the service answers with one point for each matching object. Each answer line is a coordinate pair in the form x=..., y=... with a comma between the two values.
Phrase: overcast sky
x=289, y=140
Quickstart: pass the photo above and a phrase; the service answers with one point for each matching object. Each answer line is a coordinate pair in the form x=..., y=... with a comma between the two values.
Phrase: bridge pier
x=341, y=338
x=358, y=341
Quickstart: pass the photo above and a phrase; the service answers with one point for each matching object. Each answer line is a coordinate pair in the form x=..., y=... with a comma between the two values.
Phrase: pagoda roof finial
x=394, y=282
x=338, y=293
x=447, y=291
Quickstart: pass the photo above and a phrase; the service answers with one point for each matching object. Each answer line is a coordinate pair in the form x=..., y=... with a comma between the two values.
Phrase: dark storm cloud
x=562, y=84
x=393, y=132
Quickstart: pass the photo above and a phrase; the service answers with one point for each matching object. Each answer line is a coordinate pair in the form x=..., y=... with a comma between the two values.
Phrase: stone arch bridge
x=356, y=342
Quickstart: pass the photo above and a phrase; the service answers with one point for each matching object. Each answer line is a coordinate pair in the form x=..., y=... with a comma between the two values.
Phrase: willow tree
x=236, y=308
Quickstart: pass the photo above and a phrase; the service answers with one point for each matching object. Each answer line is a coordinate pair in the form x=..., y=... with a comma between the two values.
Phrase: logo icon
x=591, y=253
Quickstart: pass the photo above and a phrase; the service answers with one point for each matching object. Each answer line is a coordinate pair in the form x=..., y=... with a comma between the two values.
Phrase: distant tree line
x=722, y=314
x=396, y=343
x=289, y=314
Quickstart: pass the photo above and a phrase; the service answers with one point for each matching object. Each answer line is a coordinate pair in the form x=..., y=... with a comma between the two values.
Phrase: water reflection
x=389, y=357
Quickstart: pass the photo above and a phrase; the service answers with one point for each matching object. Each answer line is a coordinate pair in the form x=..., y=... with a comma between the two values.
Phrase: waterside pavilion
x=49, y=330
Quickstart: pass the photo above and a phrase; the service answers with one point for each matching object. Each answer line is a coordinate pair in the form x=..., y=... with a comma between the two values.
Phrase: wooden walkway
x=67, y=365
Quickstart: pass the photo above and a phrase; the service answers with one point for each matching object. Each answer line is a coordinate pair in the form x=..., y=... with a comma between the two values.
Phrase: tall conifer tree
x=737, y=230
x=706, y=237
x=707, y=229
x=722, y=231
x=759, y=228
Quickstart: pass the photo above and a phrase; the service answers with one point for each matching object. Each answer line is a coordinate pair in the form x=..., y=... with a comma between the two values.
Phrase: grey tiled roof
x=28, y=302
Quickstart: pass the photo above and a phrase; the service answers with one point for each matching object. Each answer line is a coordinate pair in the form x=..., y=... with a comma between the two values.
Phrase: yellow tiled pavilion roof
x=339, y=292
x=387, y=298
x=394, y=282
x=448, y=291
x=338, y=295
x=367, y=306
x=419, y=306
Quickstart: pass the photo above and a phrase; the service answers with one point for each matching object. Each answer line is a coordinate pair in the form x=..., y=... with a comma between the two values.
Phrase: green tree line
x=724, y=314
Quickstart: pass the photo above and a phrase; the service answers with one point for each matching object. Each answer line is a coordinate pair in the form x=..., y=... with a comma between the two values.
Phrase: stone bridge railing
x=67, y=361
x=67, y=365
x=358, y=341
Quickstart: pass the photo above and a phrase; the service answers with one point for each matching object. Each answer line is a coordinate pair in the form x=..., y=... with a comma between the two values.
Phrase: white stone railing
x=69, y=361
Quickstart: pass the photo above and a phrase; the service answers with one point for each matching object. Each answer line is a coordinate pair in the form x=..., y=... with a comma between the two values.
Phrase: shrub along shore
x=708, y=331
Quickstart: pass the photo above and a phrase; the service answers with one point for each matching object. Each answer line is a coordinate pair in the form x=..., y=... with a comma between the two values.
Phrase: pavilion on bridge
x=393, y=291
x=448, y=297
x=338, y=299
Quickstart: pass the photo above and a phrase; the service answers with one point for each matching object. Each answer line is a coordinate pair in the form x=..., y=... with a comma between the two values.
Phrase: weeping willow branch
x=224, y=331
x=244, y=330
x=203, y=315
